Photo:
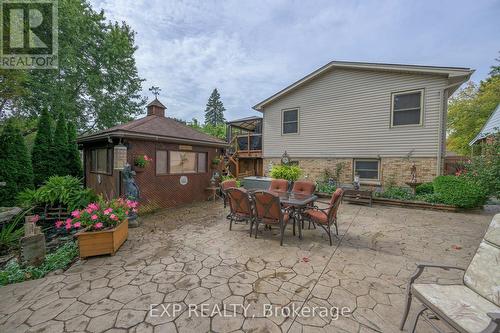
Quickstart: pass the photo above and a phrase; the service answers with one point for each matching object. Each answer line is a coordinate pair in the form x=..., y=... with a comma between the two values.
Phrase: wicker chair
x=326, y=217
x=269, y=212
x=278, y=185
x=471, y=307
x=240, y=207
x=224, y=186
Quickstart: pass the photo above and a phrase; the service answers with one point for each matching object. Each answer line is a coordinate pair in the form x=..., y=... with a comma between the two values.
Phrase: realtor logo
x=28, y=34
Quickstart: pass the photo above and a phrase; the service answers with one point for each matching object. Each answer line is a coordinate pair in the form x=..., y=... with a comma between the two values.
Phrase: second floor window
x=407, y=108
x=290, y=120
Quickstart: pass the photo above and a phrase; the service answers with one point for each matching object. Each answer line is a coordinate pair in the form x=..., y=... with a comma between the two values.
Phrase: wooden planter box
x=416, y=204
x=94, y=243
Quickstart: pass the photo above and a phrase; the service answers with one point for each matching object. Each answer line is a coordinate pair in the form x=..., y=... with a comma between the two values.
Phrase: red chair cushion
x=317, y=216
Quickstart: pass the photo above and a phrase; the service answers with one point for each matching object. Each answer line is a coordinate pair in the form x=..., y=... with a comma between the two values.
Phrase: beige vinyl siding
x=346, y=113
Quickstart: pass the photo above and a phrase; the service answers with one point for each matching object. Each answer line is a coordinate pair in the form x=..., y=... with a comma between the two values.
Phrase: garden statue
x=131, y=192
x=355, y=183
x=413, y=179
x=413, y=173
x=33, y=243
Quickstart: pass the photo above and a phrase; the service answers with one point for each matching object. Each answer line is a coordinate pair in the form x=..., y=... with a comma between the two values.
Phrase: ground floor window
x=180, y=162
x=367, y=169
x=100, y=160
x=202, y=162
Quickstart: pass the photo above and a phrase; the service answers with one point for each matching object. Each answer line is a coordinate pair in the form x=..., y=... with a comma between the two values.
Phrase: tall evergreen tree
x=214, y=112
x=60, y=147
x=41, y=155
x=74, y=163
x=15, y=164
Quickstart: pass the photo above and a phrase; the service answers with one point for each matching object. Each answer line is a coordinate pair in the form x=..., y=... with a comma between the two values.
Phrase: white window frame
x=283, y=118
x=406, y=92
x=367, y=160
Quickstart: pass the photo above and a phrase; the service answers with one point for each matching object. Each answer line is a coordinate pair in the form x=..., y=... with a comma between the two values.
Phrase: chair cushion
x=317, y=216
x=286, y=218
x=493, y=233
x=465, y=310
x=483, y=273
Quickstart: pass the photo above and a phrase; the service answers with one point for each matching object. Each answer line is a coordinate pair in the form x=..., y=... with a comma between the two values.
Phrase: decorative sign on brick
x=183, y=180
x=184, y=147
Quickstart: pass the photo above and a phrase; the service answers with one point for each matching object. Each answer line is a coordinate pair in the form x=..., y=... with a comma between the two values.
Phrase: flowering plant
x=99, y=216
x=142, y=160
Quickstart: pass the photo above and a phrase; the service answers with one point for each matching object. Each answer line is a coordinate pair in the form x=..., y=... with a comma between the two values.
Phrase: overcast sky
x=251, y=49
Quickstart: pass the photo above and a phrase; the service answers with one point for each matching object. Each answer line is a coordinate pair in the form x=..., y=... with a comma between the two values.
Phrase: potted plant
x=141, y=162
x=102, y=227
x=215, y=162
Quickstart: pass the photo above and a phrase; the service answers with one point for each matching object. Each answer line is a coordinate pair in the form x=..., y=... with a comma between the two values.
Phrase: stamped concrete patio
x=188, y=256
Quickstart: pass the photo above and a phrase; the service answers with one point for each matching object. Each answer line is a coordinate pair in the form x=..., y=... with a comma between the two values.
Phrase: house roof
x=456, y=75
x=158, y=129
x=491, y=126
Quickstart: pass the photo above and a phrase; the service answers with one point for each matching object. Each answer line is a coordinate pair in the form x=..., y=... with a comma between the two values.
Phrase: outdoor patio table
x=297, y=203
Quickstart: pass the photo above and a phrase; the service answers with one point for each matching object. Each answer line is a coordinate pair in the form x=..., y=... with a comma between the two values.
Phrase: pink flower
x=88, y=210
x=35, y=218
x=68, y=226
x=107, y=211
x=77, y=225
x=98, y=225
x=126, y=212
x=113, y=217
x=59, y=224
x=134, y=210
x=93, y=206
x=94, y=217
x=68, y=220
x=75, y=213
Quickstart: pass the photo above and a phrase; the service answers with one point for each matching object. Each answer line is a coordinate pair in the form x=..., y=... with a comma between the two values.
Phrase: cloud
x=251, y=49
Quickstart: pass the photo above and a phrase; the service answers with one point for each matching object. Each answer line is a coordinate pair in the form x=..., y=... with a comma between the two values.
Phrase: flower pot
x=139, y=169
x=95, y=243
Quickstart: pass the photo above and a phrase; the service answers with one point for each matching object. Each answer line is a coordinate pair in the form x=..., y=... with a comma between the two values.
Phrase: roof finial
x=155, y=91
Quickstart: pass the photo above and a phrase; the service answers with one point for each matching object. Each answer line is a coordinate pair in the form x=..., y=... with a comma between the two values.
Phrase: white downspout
x=442, y=125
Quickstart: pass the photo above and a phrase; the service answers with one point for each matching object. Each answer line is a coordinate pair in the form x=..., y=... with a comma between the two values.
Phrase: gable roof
x=492, y=126
x=456, y=75
x=158, y=129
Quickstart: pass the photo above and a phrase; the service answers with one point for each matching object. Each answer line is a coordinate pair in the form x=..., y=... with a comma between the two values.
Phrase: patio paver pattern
x=188, y=256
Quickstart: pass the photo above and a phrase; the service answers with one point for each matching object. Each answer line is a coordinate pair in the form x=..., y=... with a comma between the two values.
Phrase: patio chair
x=224, y=186
x=240, y=207
x=304, y=187
x=269, y=212
x=326, y=217
x=470, y=307
x=278, y=185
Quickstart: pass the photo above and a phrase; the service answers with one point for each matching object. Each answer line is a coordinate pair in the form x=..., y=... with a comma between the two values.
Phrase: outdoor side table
x=363, y=197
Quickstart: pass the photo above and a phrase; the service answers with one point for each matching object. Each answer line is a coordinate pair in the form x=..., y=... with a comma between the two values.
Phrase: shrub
x=59, y=259
x=459, y=191
x=484, y=170
x=228, y=177
x=60, y=147
x=325, y=187
x=399, y=193
x=11, y=232
x=425, y=188
x=288, y=172
x=66, y=191
x=15, y=164
x=74, y=162
x=42, y=154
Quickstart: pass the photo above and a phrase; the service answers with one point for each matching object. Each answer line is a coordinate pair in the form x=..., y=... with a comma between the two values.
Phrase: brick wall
x=390, y=168
x=157, y=191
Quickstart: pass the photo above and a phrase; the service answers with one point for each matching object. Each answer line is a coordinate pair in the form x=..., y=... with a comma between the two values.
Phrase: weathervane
x=155, y=91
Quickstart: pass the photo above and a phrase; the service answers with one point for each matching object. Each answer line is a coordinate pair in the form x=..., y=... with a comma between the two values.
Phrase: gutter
x=123, y=134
